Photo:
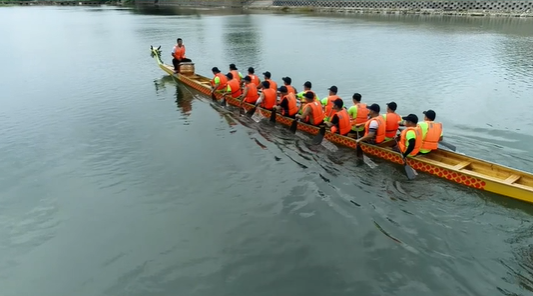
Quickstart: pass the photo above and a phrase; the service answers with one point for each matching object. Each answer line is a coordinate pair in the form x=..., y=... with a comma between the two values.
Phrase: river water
x=117, y=181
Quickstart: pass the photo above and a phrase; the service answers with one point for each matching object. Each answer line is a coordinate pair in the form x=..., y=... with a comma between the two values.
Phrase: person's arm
x=261, y=97
x=372, y=128
x=324, y=101
x=306, y=113
x=244, y=93
x=217, y=83
x=410, y=147
x=334, y=122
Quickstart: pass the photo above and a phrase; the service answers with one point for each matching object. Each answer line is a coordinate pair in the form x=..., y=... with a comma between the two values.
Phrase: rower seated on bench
x=374, y=127
x=340, y=121
x=312, y=111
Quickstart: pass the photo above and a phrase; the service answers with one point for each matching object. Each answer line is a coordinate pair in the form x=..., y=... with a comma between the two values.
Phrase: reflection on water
x=241, y=38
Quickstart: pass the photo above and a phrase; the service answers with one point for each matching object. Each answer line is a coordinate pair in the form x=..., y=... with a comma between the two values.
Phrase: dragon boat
x=452, y=166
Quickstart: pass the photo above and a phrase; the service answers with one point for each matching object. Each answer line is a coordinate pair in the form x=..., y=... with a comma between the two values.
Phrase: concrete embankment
x=523, y=8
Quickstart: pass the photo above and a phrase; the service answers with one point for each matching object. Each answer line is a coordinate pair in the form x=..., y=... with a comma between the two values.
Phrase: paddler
x=392, y=121
x=340, y=120
x=178, y=54
x=307, y=88
x=374, y=127
x=255, y=79
x=410, y=140
x=219, y=81
x=287, y=82
x=273, y=85
x=431, y=132
x=268, y=97
x=235, y=72
x=358, y=114
x=328, y=102
x=312, y=111
x=287, y=106
x=250, y=93
x=234, y=87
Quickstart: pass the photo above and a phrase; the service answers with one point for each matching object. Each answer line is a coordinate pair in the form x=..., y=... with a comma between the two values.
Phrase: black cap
x=267, y=74
x=251, y=70
x=248, y=78
x=309, y=95
x=430, y=114
x=282, y=89
x=233, y=67
x=287, y=80
x=392, y=106
x=308, y=84
x=333, y=89
x=374, y=107
x=339, y=103
x=265, y=84
x=412, y=118
x=229, y=75
x=215, y=69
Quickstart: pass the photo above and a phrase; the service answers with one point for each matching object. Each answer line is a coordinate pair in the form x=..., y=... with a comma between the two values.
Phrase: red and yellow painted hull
x=461, y=169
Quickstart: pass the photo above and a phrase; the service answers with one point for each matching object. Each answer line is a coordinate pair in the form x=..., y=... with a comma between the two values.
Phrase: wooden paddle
x=223, y=103
x=366, y=159
x=213, y=97
x=409, y=171
x=320, y=136
x=294, y=126
x=273, y=115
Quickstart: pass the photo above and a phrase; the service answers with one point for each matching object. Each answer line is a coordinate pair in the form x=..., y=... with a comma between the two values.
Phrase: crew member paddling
x=410, y=140
x=374, y=127
x=312, y=111
x=268, y=96
x=273, y=85
x=307, y=88
x=287, y=82
x=234, y=87
x=219, y=81
x=359, y=114
x=431, y=132
x=235, y=72
x=392, y=121
x=178, y=54
x=255, y=79
x=328, y=102
x=250, y=93
x=340, y=120
x=287, y=105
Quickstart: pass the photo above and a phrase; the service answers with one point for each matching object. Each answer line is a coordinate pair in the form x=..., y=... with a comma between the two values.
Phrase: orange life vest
x=252, y=95
x=255, y=79
x=291, y=102
x=236, y=75
x=223, y=81
x=273, y=85
x=362, y=113
x=179, y=52
x=418, y=142
x=290, y=89
x=392, y=123
x=269, y=98
x=317, y=113
x=345, y=125
x=329, y=106
x=431, y=141
x=235, y=88
x=380, y=132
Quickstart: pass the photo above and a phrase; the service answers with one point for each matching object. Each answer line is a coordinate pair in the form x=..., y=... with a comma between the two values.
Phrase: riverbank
x=458, y=8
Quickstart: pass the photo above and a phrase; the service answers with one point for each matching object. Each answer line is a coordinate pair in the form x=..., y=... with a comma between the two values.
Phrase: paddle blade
x=273, y=116
x=369, y=162
x=318, y=138
x=294, y=126
x=213, y=97
x=410, y=172
x=223, y=103
x=251, y=111
x=359, y=150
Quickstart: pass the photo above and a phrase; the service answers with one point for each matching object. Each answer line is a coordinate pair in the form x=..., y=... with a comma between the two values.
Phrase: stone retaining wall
x=457, y=5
